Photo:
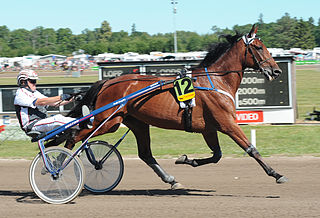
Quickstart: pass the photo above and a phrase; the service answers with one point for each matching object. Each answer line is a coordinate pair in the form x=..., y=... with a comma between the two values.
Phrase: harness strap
x=209, y=78
x=213, y=88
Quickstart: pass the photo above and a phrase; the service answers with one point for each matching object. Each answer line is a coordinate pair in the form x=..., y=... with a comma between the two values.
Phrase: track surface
x=235, y=187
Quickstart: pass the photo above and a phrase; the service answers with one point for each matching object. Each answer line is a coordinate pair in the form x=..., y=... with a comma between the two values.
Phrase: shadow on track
x=30, y=197
x=154, y=192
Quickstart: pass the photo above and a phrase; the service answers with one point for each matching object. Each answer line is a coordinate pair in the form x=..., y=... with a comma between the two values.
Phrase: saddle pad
x=184, y=89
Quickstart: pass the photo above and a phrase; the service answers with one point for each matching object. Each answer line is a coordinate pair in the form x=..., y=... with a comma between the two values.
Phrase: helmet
x=25, y=75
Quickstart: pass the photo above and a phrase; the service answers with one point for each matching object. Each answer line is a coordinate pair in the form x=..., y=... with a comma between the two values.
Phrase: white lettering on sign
x=112, y=73
x=252, y=80
x=252, y=101
x=249, y=116
x=46, y=92
x=251, y=91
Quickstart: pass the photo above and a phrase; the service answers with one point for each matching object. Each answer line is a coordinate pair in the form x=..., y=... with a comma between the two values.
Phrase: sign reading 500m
x=256, y=91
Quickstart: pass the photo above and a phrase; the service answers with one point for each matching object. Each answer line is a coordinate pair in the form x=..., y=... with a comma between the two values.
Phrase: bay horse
x=223, y=67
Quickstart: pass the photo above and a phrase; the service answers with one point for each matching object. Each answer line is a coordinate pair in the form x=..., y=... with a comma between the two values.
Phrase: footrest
x=36, y=135
x=33, y=134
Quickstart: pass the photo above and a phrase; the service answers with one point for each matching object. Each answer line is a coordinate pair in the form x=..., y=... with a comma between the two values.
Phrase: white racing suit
x=32, y=117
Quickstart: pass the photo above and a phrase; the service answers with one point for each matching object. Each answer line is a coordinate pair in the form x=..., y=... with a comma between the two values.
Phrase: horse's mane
x=88, y=99
x=216, y=50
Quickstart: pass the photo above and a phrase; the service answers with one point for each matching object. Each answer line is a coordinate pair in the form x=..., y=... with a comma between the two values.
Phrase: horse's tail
x=89, y=99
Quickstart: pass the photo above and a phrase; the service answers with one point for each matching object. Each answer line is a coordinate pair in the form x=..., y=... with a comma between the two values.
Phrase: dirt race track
x=235, y=187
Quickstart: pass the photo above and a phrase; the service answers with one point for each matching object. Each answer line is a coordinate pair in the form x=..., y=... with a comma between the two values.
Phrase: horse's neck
x=231, y=62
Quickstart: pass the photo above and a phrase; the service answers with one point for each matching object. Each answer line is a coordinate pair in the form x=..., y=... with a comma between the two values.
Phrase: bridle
x=248, y=41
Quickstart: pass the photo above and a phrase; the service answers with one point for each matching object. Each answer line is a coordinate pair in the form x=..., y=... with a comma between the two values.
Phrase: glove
x=65, y=97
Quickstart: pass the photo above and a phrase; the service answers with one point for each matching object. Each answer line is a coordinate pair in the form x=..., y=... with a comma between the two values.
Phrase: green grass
x=308, y=91
x=271, y=140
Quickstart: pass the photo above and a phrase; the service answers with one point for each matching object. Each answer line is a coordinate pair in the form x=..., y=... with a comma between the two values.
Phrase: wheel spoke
x=68, y=183
x=107, y=178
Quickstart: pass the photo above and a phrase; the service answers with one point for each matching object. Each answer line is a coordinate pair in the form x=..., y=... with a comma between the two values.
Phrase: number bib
x=184, y=89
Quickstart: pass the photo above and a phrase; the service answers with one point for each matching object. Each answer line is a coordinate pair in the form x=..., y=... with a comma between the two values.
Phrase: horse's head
x=258, y=57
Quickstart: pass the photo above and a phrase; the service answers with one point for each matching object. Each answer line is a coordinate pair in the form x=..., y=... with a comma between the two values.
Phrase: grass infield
x=292, y=140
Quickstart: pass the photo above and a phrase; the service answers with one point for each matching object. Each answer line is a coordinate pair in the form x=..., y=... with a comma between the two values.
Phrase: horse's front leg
x=142, y=134
x=235, y=132
x=212, y=141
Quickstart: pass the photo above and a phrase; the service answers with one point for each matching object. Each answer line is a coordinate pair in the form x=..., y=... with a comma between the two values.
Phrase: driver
x=31, y=105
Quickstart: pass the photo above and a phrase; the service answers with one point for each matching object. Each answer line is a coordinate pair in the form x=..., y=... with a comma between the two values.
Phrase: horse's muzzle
x=276, y=73
x=271, y=73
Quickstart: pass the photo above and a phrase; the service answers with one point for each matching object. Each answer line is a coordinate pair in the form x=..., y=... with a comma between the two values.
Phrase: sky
x=151, y=16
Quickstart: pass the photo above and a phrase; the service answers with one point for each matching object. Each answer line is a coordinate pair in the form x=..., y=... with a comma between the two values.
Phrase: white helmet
x=25, y=75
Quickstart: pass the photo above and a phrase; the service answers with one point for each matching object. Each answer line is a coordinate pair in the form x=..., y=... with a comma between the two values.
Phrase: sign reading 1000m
x=256, y=91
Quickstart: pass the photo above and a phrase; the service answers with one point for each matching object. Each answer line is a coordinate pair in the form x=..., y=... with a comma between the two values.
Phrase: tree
x=216, y=30
x=4, y=39
x=285, y=25
x=209, y=39
x=64, y=38
x=133, y=28
x=260, y=19
x=19, y=38
x=4, y=33
x=104, y=32
x=4, y=49
x=317, y=34
x=43, y=39
x=189, y=41
x=242, y=29
x=89, y=35
x=118, y=36
x=302, y=35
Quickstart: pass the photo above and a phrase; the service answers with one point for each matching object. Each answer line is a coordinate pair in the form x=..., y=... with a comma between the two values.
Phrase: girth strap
x=187, y=117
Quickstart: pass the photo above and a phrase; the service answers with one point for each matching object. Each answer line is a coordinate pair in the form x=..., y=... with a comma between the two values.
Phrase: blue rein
x=213, y=88
x=206, y=88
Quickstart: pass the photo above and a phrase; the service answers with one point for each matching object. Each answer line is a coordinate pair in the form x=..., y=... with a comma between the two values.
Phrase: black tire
x=108, y=175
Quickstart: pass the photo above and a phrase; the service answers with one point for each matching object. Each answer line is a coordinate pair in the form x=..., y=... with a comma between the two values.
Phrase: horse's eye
x=258, y=47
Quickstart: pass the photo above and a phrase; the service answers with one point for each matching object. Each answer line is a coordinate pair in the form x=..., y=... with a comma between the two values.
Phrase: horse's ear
x=253, y=31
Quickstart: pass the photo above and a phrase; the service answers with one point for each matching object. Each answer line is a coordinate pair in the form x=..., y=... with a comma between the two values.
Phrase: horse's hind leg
x=212, y=141
x=142, y=133
x=236, y=133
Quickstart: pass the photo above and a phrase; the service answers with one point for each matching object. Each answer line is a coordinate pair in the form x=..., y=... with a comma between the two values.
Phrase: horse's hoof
x=182, y=159
x=177, y=186
x=282, y=179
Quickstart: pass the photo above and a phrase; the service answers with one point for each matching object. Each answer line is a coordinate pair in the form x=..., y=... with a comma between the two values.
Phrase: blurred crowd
x=54, y=65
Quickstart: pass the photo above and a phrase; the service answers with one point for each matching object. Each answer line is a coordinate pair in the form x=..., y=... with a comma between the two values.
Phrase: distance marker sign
x=256, y=91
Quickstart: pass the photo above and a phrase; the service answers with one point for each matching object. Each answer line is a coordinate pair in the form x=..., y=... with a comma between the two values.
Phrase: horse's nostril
x=277, y=72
